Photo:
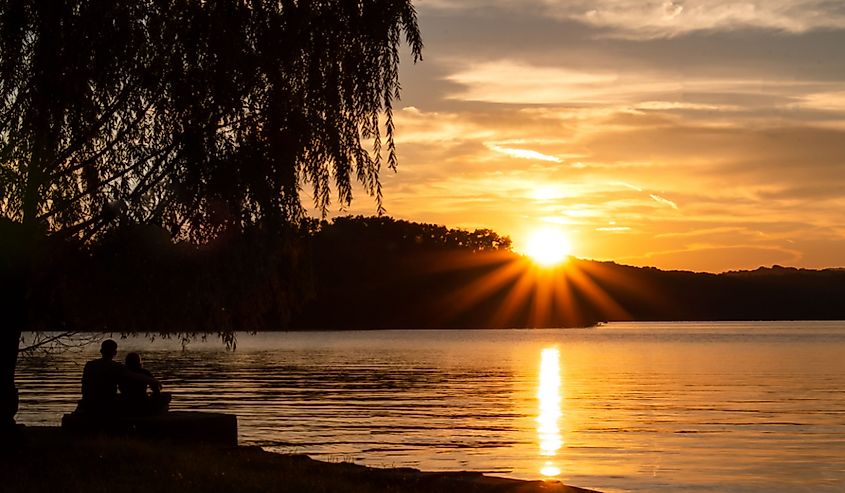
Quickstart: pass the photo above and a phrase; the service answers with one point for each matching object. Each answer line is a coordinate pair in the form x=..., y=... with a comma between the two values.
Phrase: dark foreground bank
x=50, y=460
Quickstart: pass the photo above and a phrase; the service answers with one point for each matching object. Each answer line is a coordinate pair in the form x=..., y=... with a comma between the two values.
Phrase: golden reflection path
x=548, y=395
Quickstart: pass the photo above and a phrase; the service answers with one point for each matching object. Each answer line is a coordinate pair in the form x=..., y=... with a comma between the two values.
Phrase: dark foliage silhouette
x=379, y=272
x=202, y=118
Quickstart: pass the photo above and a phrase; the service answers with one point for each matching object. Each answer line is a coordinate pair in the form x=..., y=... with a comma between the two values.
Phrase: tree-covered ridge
x=383, y=233
x=380, y=272
x=386, y=273
x=137, y=278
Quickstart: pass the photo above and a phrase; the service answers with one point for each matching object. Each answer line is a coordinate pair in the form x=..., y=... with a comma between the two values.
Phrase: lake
x=727, y=406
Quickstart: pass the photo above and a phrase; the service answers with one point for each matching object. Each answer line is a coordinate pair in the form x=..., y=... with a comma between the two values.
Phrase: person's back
x=100, y=379
x=134, y=391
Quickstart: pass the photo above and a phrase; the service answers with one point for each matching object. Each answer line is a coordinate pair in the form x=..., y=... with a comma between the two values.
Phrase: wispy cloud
x=614, y=229
x=623, y=88
x=725, y=230
x=436, y=127
x=664, y=201
x=628, y=185
x=664, y=18
x=506, y=81
x=523, y=153
x=831, y=101
x=669, y=18
x=681, y=105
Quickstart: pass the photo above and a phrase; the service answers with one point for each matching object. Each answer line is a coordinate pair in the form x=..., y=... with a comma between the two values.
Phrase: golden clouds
x=704, y=135
x=630, y=181
x=505, y=81
x=668, y=18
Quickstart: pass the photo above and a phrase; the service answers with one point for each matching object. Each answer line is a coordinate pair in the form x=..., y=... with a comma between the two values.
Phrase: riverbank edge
x=49, y=459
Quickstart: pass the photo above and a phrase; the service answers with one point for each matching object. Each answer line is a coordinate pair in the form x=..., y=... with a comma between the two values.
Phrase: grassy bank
x=49, y=460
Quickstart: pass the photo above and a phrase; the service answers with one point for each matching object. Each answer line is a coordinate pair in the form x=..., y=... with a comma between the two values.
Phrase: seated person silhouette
x=133, y=392
x=100, y=379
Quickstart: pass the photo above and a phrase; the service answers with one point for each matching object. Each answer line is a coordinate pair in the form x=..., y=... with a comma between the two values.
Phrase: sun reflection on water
x=548, y=395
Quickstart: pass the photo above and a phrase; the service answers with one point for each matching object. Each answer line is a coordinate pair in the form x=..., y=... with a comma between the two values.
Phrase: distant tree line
x=766, y=293
x=379, y=272
x=383, y=273
x=138, y=279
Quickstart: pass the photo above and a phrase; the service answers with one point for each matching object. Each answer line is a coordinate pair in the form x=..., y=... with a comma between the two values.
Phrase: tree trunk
x=9, y=340
x=14, y=263
x=13, y=267
x=19, y=275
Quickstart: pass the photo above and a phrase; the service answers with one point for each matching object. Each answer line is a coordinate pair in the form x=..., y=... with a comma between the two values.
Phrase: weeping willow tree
x=202, y=117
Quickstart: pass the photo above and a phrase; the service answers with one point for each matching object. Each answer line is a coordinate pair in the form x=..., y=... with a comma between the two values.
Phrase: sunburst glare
x=548, y=247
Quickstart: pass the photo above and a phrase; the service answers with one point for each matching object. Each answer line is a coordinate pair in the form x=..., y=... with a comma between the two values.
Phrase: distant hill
x=379, y=272
x=774, y=293
x=366, y=276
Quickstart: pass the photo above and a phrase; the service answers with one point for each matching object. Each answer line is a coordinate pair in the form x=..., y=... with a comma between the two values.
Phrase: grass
x=50, y=460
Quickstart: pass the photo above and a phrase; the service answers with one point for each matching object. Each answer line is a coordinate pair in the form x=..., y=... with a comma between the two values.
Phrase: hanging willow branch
x=243, y=102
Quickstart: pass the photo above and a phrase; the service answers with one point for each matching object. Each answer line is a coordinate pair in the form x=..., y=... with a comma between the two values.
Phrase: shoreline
x=50, y=459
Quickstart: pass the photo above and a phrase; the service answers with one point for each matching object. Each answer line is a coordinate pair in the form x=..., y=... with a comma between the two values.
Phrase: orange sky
x=702, y=135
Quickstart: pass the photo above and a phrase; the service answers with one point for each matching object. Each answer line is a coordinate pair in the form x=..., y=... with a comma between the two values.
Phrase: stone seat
x=191, y=426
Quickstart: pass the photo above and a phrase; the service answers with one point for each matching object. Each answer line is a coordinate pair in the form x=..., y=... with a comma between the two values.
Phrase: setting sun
x=548, y=247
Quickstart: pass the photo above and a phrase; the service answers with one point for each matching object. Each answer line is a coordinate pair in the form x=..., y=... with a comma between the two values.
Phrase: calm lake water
x=621, y=407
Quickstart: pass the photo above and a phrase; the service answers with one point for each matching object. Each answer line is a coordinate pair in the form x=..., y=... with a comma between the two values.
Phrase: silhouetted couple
x=102, y=378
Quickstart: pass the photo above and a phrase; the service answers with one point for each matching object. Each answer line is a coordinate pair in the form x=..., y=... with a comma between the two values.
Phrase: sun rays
x=516, y=291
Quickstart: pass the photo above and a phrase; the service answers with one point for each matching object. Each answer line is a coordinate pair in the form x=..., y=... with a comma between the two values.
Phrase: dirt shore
x=48, y=460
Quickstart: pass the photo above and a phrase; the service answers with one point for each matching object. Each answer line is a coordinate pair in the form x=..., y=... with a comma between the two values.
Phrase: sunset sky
x=703, y=135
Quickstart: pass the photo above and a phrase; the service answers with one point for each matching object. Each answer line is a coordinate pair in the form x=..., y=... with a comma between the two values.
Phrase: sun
x=548, y=247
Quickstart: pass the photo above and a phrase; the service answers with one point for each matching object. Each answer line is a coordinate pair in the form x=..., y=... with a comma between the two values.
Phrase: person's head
x=133, y=361
x=108, y=349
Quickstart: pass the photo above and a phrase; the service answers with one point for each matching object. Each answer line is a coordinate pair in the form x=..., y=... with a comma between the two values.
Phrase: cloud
x=558, y=220
x=832, y=101
x=759, y=179
x=667, y=18
x=724, y=230
x=718, y=172
x=628, y=185
x=682, y=105
x=523, y=153
x=670, y=18
x=614, y=229
x=436, y=127
x=579, y=93
x=815, y=192
x=506, y=81
x=664, y=201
